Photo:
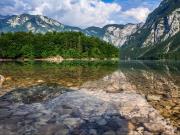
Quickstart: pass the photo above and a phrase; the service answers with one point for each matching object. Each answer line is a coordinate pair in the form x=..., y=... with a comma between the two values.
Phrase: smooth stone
x=2, y=79
x=67, y=111
x=140, y=130
x=8, y=78
x=148, y=133
x=72, y=122
x=62, y=131
x=92, y=132
x=40, y=81
x=120, y=122
x=154, y=127
x=42, y=121
x=15, y=119
x=9, y=126
x=109, y=133
x=101, y=122
x=51, y=129
x=63, y=111
x=75, y=113
x=4, y=103
x=131, y=133
x=95, y=119
x=176, y=108
x=154, y=97
x=5, y=113
x=21, y=113
x=123, y=131
x=34, y=115
x=168, y=107
x=5, y=132
x=131, y=126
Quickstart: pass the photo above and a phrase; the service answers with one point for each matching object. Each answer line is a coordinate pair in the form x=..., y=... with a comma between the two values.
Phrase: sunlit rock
x=56, y=59
x=2, y=79
x=113, y=83
x=154, y=97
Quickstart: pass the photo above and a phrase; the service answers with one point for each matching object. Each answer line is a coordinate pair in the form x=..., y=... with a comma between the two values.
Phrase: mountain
x=113, y=33
x=159, y=37
x=34, y=23
x=94, y=31
x=119, y=34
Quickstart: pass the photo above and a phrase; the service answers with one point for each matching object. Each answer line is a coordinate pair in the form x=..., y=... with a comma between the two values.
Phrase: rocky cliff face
x=118, y=35
x=167, y=26
x=162, y=27
x=114, y=33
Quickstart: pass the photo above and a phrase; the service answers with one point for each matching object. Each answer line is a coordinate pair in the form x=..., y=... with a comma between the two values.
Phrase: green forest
x=66, y=44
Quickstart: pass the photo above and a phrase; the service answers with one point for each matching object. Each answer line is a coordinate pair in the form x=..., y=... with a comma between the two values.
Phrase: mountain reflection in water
x=68, y=73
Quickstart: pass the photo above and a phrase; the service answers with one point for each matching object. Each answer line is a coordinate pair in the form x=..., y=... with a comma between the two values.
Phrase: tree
x=65, y=44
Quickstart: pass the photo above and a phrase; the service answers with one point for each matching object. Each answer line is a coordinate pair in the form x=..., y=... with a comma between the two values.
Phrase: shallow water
x=68, y=73
x=158, y=82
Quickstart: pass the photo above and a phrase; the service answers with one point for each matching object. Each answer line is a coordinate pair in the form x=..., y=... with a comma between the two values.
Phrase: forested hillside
x=65, y=44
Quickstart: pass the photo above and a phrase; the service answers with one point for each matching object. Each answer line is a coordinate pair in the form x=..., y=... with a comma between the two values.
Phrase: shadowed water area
x=90, y=98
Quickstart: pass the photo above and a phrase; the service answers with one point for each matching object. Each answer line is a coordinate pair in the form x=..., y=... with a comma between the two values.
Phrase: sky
x=83, y=13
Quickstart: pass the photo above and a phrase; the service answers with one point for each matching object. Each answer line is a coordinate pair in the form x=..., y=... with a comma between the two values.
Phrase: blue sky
x=127, y=4
x=83, y=13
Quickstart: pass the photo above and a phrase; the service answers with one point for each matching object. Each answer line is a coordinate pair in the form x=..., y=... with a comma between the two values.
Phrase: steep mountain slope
x=114, y=33
x=94, y=31
x=34, y=23
x=158, y=37
x=119, y=34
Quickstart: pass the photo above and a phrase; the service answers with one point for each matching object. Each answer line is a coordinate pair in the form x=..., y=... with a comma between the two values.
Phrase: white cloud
x=140, y=13
x=81, y=13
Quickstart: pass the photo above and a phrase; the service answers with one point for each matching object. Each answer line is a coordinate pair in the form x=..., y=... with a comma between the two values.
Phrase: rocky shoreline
x=58, y=59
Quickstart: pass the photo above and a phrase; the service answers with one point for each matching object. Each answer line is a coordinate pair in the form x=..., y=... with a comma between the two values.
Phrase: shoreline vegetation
x=54, y=46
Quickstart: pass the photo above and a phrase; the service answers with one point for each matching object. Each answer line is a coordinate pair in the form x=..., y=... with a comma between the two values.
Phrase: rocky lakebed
x=111, y=105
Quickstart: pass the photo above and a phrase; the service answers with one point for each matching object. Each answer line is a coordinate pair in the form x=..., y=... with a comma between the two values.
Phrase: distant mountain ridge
x=113, y=33
x=34, y=23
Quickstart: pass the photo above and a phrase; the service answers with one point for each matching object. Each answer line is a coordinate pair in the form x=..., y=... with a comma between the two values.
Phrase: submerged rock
x=35, y=94
x=98, y=113
x=2, y=79
x=154, y=97
x=96, y=108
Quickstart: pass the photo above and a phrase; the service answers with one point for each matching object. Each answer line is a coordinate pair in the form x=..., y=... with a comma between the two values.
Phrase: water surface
x=158, y=82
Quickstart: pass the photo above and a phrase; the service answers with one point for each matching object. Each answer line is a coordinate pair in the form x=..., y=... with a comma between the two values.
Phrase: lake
x=125, y=91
